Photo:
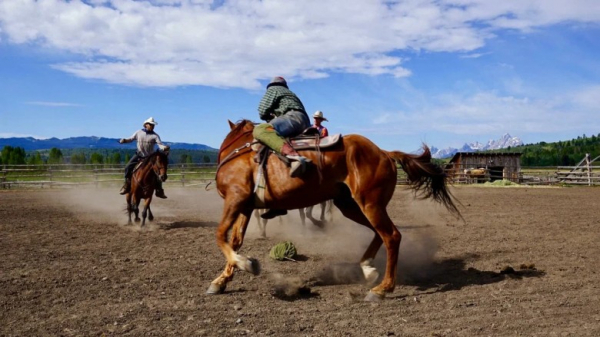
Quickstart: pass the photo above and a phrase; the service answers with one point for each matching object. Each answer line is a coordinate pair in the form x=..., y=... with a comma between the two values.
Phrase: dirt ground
x=524, y=263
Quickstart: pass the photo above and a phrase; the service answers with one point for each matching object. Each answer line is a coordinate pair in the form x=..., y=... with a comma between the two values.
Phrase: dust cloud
x=341, y=241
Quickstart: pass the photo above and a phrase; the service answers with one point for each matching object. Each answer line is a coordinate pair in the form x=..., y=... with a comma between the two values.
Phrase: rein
x=235, y=152
x=154, y=167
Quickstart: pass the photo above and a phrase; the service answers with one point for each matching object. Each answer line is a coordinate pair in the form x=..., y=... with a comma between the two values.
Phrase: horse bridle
x=157, y=172
x=235, y=152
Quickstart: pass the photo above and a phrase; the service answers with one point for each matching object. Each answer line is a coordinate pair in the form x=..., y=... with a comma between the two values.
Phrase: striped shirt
x=145, y=142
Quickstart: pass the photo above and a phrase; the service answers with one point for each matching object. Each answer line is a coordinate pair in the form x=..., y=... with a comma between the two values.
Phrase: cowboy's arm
x=160, y=144
x=128, y=140
x=324, y=132
x=267, y=106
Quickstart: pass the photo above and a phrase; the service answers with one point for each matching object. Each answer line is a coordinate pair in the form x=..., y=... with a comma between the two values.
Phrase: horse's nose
x=163, y=177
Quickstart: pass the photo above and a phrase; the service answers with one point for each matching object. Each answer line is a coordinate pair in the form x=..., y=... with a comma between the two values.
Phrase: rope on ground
x=283, y=251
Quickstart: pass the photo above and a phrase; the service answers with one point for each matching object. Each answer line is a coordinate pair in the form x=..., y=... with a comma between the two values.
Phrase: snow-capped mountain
x=504, y=142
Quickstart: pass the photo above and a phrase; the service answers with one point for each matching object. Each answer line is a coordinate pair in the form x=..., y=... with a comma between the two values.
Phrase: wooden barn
x=476, y=167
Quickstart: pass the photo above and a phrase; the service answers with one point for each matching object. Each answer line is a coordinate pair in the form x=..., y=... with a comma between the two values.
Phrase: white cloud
x=19, y=135
x=487, y=113
x=236, y=43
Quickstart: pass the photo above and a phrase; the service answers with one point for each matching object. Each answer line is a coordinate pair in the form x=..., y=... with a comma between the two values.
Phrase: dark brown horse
x=356, y=174
x=143, y=184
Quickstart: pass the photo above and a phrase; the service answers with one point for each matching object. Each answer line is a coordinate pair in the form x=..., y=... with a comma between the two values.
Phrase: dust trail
x=105, y=205
x=341, y=242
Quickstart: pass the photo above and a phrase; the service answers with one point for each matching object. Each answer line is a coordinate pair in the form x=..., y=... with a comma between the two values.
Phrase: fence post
x=49, y=176
x=587, y=162
x=182, y=176
x=96, y=177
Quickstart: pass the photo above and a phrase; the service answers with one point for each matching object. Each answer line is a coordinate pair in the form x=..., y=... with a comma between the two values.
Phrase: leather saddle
x=307, y=140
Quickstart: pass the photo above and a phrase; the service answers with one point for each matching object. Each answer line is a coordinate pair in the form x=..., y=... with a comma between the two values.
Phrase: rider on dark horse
x=286, y=117
x=146, y=139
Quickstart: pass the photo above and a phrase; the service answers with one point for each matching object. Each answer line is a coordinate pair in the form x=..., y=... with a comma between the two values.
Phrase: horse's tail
x=426, y=177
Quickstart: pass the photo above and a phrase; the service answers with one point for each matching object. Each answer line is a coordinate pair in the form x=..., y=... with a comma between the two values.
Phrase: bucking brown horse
x=143, y=184
x=356, y=174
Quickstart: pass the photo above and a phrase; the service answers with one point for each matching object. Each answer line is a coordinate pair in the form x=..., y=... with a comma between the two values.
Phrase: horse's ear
x=231, y=125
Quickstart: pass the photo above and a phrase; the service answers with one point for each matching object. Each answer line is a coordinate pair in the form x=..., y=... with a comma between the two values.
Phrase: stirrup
x=297, y=165
x=270, y=214
x=124, y=189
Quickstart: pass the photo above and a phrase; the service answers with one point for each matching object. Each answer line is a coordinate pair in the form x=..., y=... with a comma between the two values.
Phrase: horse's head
x=159, y=165
x=241, y=133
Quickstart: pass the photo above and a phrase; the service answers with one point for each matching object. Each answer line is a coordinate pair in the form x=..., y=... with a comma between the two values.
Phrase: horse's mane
x=150, y=157
x=240, y=124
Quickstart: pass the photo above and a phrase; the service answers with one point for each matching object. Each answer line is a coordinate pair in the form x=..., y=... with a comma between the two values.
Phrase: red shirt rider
x=318, y=117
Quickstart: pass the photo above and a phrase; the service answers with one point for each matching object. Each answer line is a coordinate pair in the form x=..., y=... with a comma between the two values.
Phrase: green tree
x=96, y=158
x=55, y=156
x=78, y=158
x=206, y=159
x=13, y=155
x=35, y=159
x=116, y=158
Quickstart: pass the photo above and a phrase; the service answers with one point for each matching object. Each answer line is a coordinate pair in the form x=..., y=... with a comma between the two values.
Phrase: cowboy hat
x=318, y=114
x=150, y=121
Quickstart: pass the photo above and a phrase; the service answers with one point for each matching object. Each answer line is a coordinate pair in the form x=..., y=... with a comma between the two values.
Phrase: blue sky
x=401, y=73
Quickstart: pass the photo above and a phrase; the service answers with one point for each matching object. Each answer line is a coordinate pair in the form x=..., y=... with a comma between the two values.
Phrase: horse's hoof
x=373, y=297
x=253, y=266
x=137, y=220
x=150, y=219
x=215, y=289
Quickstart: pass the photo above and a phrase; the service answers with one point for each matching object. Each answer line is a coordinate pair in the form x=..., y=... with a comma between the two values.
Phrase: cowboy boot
x=126, y=187
x=160, y=193
x=297, y=162
x=271, y=213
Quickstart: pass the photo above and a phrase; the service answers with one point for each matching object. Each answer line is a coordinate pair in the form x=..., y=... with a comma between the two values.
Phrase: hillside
x=562, y=153
x=29, y=143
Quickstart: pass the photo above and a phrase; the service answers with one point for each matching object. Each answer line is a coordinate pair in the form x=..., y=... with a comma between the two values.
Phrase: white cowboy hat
x=318, y=114
x=150, y=121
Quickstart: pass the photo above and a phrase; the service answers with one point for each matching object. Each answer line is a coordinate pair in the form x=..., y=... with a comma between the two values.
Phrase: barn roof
x=484, y=154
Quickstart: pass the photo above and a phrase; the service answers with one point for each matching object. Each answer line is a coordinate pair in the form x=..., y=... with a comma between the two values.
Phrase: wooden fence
x=584, y=173
x=65, y=175
x=190, y=175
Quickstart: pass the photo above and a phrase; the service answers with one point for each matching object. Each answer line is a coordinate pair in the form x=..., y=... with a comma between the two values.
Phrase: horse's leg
x=391, y=238
x=330, y=210
x=150, y=215
x=129, y=207
x=147, y=202
x=372, y=203
x=352, y=211
x=303, y=215
x=135, y=201
x=232, y=217
x=323, y=207
x=262, y=223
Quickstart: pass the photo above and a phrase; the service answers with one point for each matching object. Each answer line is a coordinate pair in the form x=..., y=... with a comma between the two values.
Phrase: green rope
x=283, y=251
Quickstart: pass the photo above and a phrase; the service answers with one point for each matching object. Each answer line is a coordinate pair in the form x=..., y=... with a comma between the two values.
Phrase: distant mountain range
x=502, y=143
x=29, y=143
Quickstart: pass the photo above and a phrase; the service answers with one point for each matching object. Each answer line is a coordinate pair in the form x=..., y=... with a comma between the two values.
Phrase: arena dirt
x=523, y=263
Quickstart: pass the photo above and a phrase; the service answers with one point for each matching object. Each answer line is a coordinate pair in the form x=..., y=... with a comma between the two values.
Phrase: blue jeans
x=291, y=124
x=131, y=165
